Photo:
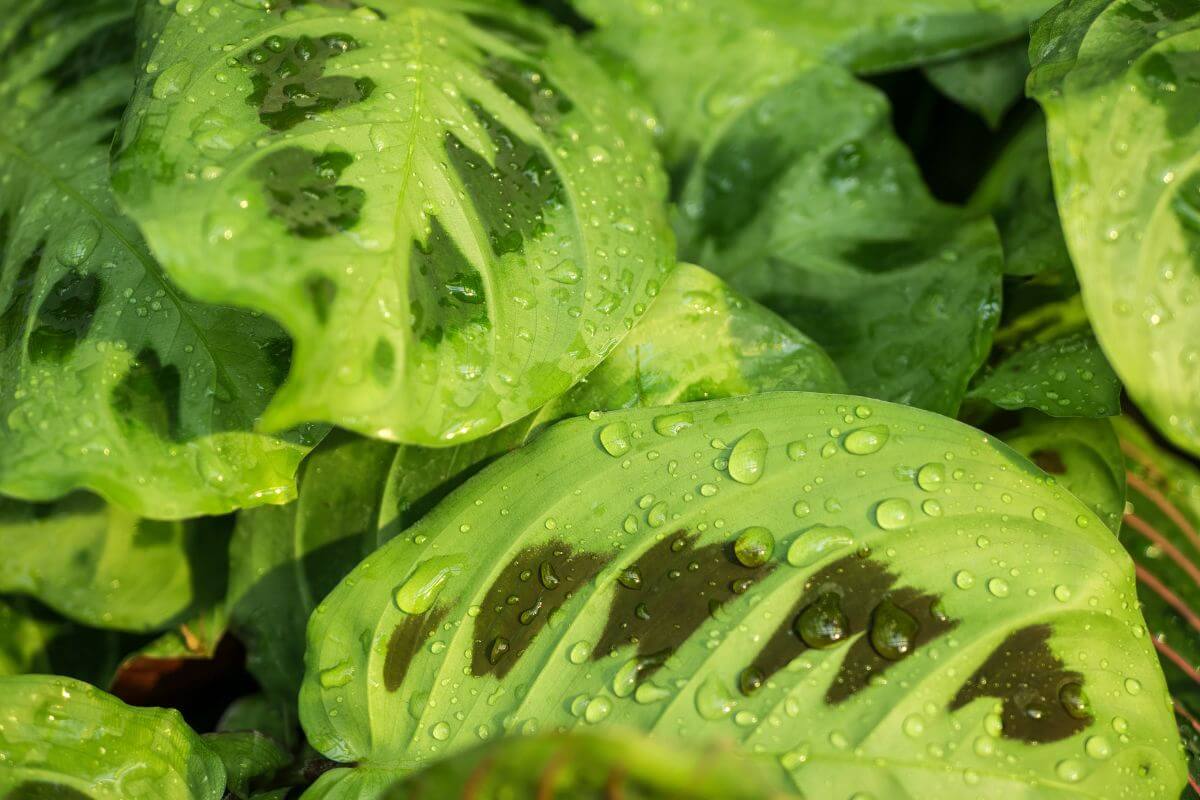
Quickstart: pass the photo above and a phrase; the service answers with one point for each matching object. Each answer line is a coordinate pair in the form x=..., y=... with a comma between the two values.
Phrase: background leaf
x=1119, y=83
x=567, y=584
x=989, y=82
x=105, y=567
x=65, y=739
x=448, y=206
x=33, y=639
x=112, y=379
x=811, y=206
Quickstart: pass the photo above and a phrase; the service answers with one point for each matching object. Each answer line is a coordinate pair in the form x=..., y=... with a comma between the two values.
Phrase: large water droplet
x=754, y=547
x=823, y=623
x=614, y=438
x=418, y=594
x=893, y=631
x=713, y=700
x=865, y=441
x=931, y=477
x=894, y=514
x=748, y=460
x=673, y=424
x=818, y=542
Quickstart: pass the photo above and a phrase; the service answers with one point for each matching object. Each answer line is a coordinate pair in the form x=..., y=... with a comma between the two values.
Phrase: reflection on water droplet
x=751, y=680
x=1074, y=701
x=894, y=514
x=964, y=579
x=823, y=623
x=998, y=587
x=893, y=632
x=754, y=547
x=748, y=460
x=1097, y=747
x=866, y=441
x=931, y=477
x=614, y=438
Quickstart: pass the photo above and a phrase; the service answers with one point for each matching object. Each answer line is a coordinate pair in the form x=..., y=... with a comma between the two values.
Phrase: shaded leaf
x=1120, y=83
x=35, y=640
x=248, y=758
x=988, y=82
x=113, y=380
x=612, y=764
x=564, y=586
x=65, y=739
x=811, y=206
x=1049, y=360
x=107, y=568
x=446, y=205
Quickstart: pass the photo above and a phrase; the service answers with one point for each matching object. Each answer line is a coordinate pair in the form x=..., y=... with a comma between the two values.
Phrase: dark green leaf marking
x=290, y=84
x=303, y=191
x=679, y=586
x=65, y=316
x=895, y=623
x=1043, y=702
x=149, y=396
x=20, y=297
x=445, y=291
x=44, y=790
x=406, y=639
x=519, y=603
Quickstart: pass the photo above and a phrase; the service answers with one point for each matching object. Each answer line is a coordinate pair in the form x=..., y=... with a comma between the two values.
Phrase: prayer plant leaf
x=872, y=598
x=668, y=46
x=112, y=379
x=1048, y=359
x=63, y=739
x=1120, y=82
x=448, y=206
x=813, y=207
x=700, y=340
x=33, y=639
x=610, y=764
x=988, y=82
x=105, y=567
x=249, y=758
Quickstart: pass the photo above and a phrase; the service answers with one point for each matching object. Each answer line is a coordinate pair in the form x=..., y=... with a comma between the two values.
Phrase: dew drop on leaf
x=418, y=594
x=823, y=623
x=614, y=438
x=754, y=547
x=893, y=631
x=748, y=459
x=866, y=441
x=894, y=514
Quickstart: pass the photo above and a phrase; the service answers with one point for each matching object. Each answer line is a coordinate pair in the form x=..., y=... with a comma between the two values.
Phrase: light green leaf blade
x=65, y=739
x=611, y=764
x=113, y=380
x=988, y=82
x=105, y=567
x=1119, y=82
x=1048, y=359
x=1083, y=455
x=669, y=47
x=700, y=340
x=813, y=207
x=921, y=530
x=449, y=207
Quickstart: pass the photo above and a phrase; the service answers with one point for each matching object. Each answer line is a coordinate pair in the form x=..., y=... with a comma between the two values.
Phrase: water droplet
x=754, y=547
x=79, y=244
x=748, y=460
x=964, y=579
x=713, y=700
x=865, y=441
x=1097, y=747
x=547, y=575
x=497, y=649
x=931, y=477
x=1061, y=593
x=913, y=726
x=597, y=709
x=440, y=731
x=418, y=594
x=1074, y=701
x=579, y=652
x=796, y=450
x=614, y=438
x=1081, y=521
x=893, y=631
x=932, y=508
x=823, y=623
x=998, y=587
x=1133, y=685
x=656, y=517
x=751, y=680
x=673, y=424
x=649, y=693
x=818, y=542
x=708, y=489
x=1039, y=513
x=1070, y=770
x=802, y=508
x=894, y=514
x=630, y=578
x=336, y=676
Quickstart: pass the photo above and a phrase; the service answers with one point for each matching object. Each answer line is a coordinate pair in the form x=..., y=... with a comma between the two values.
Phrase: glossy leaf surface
x=112, y=379
x=1120, y=82
x=444, y=202
x=845, y=587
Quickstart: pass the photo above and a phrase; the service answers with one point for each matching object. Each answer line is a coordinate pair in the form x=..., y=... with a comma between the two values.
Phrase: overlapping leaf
x=444, y=202
x=903, y=606
x=104, y=567
x=67, y=740
x=113, y=380
x=669, y=46
x=35, y=640
x=811, y=206
x=700, y=340
x=1120, y=82
x=989, y=82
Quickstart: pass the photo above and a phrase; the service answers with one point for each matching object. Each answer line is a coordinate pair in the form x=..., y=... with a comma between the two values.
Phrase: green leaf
x=248, y=758
x=1120, y=82
x=261, y=713
x=1082, y=455
x=67, y=740
x=1161, y=533
x=600, y=764
x=113, y=380
x=1048, y=359
x=35, y=640
x=447, y=205
x=988, y=82
x=813, y=207
x=564, y=586
x=105, y=567
x=671, y=46
x=1018, y=191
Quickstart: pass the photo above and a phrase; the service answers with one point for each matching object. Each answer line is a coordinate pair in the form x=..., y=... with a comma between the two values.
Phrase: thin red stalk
x=1183, y=712
x=1169, y=597
x=1167, y=507
x=1178, y=660
x=1146, y=529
